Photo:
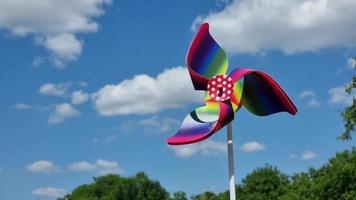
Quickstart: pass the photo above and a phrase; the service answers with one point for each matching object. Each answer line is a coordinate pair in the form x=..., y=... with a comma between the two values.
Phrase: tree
x=263, y=183
x=349, y=114
x=114, y=187
x=300, y=188
x=337, y=179
x=180, y=195
x=205, y=196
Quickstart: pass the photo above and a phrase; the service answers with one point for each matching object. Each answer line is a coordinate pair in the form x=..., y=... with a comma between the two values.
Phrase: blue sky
x=97, y=89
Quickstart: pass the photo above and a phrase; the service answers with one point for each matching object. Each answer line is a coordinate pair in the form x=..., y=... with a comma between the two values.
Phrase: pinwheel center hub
x=220, y=87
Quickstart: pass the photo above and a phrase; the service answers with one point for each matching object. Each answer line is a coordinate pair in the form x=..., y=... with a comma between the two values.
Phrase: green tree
x=266, y=183
x=300, y=188
x=180, y=195
x=337, y=179
x=114, y=187
x=205, y=196
x=349, y=114
x=263, y=184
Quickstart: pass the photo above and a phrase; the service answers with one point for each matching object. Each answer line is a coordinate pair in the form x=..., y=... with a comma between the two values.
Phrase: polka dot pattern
x=220, y=87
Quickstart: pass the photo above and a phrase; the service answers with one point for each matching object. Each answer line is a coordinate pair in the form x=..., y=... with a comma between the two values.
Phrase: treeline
x=336, y=180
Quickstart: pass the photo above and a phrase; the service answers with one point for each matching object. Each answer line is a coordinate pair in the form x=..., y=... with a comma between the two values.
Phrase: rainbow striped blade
x=203, y=122
x=261, y=94
x=205, y=58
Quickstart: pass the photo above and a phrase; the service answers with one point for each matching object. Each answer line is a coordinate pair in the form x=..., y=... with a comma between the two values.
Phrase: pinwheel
x=225, y=94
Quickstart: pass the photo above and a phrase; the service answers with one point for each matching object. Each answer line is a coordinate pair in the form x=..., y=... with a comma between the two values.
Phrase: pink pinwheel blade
x=203, y=122
x=262, y=95
x=205, y=58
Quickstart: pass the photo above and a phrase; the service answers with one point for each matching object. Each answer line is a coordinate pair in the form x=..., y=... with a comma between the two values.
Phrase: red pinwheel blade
x=203, y=122
x=261, y=95
x=205, y=58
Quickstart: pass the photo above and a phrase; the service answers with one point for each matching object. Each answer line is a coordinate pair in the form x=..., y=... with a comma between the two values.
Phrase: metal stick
x=230, y=153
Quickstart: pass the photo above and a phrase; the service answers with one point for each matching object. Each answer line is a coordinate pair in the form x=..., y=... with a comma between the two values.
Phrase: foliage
x=114, y=187
x=349, y=114
x=263, y=183
x=335, y=180
x=180, y=195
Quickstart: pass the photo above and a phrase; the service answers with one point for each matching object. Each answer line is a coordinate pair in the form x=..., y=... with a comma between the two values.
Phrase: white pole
x=230, y=154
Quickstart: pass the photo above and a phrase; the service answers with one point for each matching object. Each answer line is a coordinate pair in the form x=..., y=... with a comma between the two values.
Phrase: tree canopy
x=349, y=114
x=114, y=187
x=336, y=180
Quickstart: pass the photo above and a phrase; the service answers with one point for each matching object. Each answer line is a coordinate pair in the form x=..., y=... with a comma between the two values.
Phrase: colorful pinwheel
x=225, y=94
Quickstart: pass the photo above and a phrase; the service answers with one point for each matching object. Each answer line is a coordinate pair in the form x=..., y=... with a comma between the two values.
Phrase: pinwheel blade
x=205, y=58
x=261, y=95
x=203, y=122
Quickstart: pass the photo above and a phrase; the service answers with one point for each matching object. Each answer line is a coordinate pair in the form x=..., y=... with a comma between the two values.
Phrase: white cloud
x=100, y=166
x=63, y=89
x=108, y=167
x=311, y=96
x=314, y=103
x=339, y=96
x=52, y=89
x=53, y=24
x=106, y=140
x=62, y=112
x=49, y=192
x=42, y=166
x=292, y=156
x=158, y=125
x=145, y=94
x=22, y=106
x=82, y=166
x=251, y=26
x=39, y=60
x=79, y=97
x=307, y=93
x=351, y=62
x=66, y=47
x=307, y=155
x=208, y=147
x=252, y=147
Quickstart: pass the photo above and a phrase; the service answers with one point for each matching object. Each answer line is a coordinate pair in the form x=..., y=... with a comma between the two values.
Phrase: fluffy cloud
x=158, y=125
x=252, y=147
x=292, y=156
x=49, y=192
x=250, y=26
x=311, y=96
x=351, y=62
x=208, y=147
x=307, y=155
x=146, y=94
x=54, y=24
x=42, y=166
x=101, y=166
x=82, y=166
x=63, y=89
x=79, y=97
x=66, y=47
x=52, y=89
x=22, y=106
x=105, y=140
x=339, y=96
x=62, y=112
x=108, y=167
